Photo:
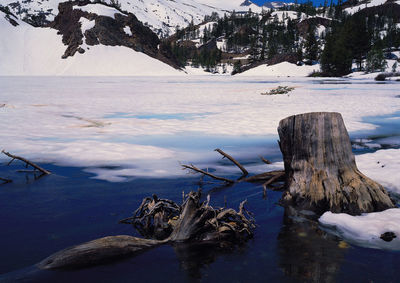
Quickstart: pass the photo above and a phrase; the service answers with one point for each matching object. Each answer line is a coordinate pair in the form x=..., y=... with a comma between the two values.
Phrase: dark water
x=38, y=218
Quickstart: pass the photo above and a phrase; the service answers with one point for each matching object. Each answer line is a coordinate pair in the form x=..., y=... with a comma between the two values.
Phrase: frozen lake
x=112, y=141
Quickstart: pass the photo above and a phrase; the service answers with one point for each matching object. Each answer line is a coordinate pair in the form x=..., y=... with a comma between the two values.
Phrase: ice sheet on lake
x=365, y=230
x=75, y=121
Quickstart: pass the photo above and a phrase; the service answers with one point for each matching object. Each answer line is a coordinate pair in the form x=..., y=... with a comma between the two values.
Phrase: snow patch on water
x=365, y=230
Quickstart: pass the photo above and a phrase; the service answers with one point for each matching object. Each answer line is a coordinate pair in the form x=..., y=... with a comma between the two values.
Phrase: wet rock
x=388, y=236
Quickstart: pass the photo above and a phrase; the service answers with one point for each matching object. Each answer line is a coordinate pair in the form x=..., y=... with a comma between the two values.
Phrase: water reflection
x=195, y=258
x=305, y=252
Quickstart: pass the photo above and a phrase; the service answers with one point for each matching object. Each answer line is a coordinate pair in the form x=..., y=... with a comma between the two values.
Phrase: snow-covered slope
x=162, y=16
x=230, y=5
x=281, y=69
x=366, y=4
x=276, y=4
x=25, y=50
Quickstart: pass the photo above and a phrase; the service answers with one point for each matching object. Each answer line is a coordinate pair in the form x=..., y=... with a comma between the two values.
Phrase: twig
x=266, y=161
x=234, y=161
x=27, y=162
x=194, y=168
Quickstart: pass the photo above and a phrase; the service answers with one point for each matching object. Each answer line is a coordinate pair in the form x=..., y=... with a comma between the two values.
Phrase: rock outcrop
x=107, y=30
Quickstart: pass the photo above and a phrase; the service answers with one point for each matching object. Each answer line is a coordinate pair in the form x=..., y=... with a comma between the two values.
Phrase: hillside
x=26, y=50
x=308, y=37
x=199, y=35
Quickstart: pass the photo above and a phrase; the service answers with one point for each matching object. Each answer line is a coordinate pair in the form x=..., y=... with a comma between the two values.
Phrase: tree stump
x=321, y=172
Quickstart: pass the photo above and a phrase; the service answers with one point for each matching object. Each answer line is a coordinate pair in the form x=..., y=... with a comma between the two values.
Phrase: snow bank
x=281, y=69
x=382, y=166
x=29, y=51
x=365, y=230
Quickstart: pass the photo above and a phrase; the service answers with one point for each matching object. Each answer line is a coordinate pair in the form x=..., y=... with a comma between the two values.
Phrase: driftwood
x=164, y=222
x=26, y=161
x=321, y=173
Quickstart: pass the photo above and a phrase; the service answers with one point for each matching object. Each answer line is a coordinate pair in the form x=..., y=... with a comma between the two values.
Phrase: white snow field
x=25, y=50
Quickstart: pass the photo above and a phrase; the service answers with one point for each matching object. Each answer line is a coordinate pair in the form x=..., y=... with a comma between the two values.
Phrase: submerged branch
x=194, y=168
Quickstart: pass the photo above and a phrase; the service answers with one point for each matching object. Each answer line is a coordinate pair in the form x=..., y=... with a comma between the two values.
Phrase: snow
x=371, y=3
x=284, y=16
x=128, y=31
x=162, y=16
x=281, y=69
x=382, y=166
x=365, y=230
x=147, y=125
x=232, y=5
x=86, y=24
x=320, y=30
x=22, y=53
x=98, y=9
x=222, y=44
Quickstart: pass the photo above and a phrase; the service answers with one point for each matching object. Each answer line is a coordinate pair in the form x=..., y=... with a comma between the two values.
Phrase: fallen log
x=26, y=161
x=97, y=252
x=320, y=168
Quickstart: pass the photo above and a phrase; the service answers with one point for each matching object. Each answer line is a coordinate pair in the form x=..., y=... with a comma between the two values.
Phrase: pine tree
x=375, y=60
x=311, y=46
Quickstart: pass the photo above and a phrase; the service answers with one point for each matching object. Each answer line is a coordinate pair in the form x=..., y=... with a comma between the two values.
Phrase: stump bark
x=321, y=172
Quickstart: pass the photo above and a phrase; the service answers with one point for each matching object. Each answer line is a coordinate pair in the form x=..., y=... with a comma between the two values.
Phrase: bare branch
x=234, y=161
x=27, y=162
x=194, y=168
x=264, y=176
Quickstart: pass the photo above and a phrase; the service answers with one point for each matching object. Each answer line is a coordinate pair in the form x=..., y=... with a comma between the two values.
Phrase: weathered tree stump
x=321, y=172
